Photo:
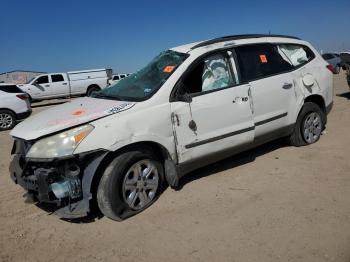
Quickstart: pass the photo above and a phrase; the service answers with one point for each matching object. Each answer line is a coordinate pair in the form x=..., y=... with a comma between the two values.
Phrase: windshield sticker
x=263, y=59
x=117, y=109
x=168, y=69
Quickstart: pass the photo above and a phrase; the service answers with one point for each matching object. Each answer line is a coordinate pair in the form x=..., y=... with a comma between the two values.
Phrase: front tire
x=309, y=125
x=131, y=183
x=7, y=120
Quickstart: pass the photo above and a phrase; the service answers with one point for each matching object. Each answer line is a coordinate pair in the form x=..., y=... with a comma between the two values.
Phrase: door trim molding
x=216, y=138
x=209, y=140
x=270, y=119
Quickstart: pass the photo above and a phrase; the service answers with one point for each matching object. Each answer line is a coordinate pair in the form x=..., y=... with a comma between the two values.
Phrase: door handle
x=64, y=84
x=46, y=85
x=287, y=85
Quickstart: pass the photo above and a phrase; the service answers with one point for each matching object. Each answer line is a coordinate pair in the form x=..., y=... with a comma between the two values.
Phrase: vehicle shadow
x=232, y=162
x=228, y=163
x=94, y=215
x=344, y=95
x=35, y=105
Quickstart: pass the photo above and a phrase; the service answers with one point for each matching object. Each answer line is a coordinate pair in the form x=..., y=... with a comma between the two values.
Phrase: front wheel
x=130, y=184
x=309, y=125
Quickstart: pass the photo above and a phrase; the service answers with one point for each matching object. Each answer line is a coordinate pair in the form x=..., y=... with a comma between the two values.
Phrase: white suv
x=192, y=105
x=14, y=106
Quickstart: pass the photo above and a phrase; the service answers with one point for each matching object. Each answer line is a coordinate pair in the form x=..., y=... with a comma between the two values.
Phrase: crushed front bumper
x=63, y=183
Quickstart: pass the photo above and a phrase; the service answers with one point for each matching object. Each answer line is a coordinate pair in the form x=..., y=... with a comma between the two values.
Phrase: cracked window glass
x=216, y=74
x=147, y=81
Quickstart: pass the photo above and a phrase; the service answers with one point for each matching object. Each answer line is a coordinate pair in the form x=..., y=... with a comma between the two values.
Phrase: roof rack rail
x=237, y=37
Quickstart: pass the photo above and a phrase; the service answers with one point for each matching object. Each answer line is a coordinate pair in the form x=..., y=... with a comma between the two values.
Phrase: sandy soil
x=274, y=203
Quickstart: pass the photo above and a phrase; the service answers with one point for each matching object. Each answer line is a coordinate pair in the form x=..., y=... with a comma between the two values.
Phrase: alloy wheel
x=140, y=184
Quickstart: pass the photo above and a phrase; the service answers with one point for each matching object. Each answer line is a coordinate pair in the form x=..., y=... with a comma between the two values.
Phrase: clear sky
x=124, y=35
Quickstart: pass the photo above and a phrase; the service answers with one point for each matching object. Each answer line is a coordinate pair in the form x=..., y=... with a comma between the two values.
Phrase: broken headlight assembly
x=59, y=145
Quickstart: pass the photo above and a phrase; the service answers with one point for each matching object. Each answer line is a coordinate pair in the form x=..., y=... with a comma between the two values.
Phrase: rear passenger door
x=268, y=73
x=59, y=86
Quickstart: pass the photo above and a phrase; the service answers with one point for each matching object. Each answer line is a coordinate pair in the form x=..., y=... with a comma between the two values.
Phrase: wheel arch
x=320, y=101
x=159, y=150
x=92, y=86
x=8, y=109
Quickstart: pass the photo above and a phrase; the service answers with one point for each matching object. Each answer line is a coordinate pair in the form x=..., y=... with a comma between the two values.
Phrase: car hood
x=76, y=112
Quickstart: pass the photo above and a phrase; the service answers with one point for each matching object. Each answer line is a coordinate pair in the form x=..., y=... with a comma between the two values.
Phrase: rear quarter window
x=298, y=55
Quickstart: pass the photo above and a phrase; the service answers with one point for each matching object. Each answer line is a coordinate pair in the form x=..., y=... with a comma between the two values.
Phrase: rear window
x=10, y=89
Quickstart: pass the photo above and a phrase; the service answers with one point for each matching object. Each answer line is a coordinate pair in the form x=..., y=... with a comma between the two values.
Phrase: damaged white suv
x=192, y=105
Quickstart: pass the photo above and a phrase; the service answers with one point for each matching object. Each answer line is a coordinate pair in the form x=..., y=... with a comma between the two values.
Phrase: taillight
x=23, y=96
x=331, y=68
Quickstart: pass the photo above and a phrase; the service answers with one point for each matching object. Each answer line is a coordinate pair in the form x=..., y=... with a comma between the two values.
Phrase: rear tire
x=309, y=125
x=7, y=120
x=92, y=89
x=123, y=190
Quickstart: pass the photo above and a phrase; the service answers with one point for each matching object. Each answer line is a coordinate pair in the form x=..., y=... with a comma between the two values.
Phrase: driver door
x=216, y=114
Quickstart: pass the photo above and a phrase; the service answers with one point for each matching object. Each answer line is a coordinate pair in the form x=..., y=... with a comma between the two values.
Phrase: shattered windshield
x=146, y=82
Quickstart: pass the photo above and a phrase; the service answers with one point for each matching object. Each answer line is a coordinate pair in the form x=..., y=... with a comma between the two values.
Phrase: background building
x=18, y=76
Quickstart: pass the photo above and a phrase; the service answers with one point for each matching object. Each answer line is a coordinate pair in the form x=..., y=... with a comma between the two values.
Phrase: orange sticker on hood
x=168, y=69
x=263, y=59
x=78, y=112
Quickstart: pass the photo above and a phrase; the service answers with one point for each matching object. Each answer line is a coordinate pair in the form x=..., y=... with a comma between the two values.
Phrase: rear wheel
x=7, y=120
x=130, y=184
x=92, y=89
x=309, y=125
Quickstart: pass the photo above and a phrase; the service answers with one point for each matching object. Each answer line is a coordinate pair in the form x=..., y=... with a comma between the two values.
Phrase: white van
x=192, y=105
x=54, y=85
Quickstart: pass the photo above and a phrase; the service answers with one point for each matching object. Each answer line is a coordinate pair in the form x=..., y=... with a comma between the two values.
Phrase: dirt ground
x=273, y=203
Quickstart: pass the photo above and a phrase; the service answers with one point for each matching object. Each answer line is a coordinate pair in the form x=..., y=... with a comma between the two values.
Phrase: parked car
x=334, y=60
x=116, y=78
x=345, y=60
x=54, y=85
x=14, y=106
x=191, y=106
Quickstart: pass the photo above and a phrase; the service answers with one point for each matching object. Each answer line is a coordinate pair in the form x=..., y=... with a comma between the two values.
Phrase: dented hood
x=76, y=112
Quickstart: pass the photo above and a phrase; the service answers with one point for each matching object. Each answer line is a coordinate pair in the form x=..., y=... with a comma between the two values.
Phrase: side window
x=42, y=80
x=122, y=76
x=212, y=73
x=298, y=54
x=261, y=60
x=57, y=78
x=116, y=78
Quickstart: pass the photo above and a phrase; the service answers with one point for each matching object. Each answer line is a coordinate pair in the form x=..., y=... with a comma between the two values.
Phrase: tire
x=92, y=89
x=302, y=135
x=122, y=192
x=7, y=120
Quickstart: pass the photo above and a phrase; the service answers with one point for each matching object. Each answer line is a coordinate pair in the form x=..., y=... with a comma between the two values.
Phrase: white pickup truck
x=55, y=85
